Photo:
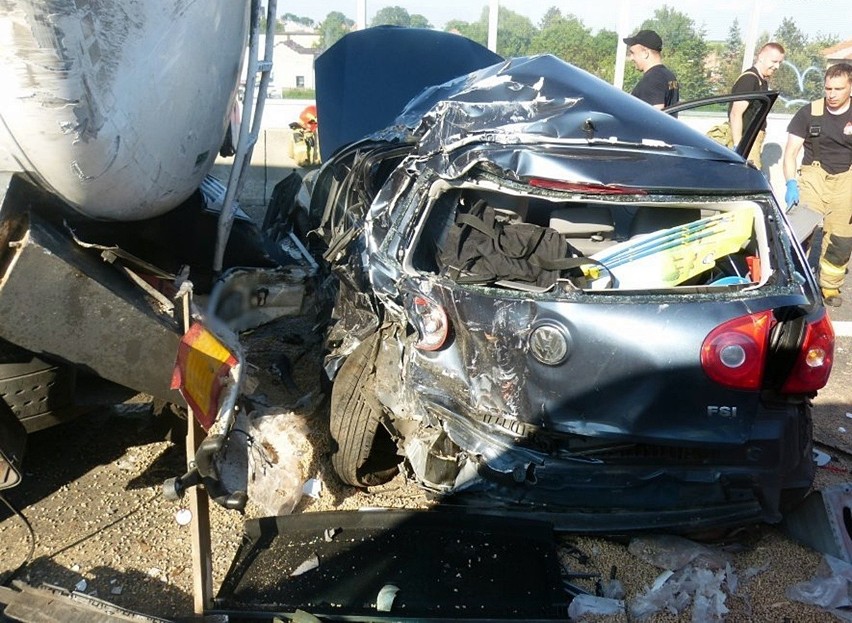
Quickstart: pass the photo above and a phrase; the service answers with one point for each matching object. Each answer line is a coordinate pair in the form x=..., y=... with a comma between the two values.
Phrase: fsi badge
x=721, y=411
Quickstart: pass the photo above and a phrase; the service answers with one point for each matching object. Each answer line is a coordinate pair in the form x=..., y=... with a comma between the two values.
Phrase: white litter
x=312, y=488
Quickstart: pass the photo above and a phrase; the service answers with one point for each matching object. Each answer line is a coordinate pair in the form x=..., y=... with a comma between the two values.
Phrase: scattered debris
x=674, y=591
x=312, y=488
x=588, y=605
x=821, y=458
x=268, y=455
x=694, y=575
x=330, y=533
x=308, y=565
x=829, y=588
x=668, y=551
x=384, y=600
x=183, y=516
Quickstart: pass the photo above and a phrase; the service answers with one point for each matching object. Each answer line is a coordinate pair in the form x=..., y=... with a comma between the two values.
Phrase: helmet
x=308, y=118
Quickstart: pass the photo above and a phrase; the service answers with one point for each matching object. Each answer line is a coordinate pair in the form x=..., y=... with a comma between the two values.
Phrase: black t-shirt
x=658, y=86
x=749, y=82
x=835, y=138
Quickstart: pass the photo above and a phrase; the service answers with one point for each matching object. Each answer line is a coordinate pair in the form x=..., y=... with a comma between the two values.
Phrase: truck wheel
x=366, y=454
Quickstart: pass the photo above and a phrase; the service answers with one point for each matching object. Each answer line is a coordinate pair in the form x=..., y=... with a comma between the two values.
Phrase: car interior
x=644, y=238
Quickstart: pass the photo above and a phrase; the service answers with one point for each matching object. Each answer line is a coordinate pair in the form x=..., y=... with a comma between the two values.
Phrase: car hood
x=365, y=79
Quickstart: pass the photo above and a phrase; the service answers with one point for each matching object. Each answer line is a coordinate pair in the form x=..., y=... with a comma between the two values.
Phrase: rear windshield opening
x=495, y=239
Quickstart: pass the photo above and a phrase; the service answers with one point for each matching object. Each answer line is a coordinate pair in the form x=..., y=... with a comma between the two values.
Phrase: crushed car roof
x=545, y=96
x=536, y=101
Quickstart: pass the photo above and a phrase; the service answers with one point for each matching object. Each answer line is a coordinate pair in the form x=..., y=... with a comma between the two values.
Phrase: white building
x=293, y=58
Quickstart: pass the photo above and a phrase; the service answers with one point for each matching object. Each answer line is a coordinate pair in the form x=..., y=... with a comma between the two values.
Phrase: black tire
x=366, y=454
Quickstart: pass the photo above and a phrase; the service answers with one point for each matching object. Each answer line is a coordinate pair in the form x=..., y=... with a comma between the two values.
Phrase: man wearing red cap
x=658, y=86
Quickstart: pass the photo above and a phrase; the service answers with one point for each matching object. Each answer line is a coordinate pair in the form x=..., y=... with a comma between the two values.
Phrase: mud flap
x=13, y=439
x=443, y=564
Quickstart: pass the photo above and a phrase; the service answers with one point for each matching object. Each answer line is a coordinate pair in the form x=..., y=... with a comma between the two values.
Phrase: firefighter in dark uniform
x=824, y=182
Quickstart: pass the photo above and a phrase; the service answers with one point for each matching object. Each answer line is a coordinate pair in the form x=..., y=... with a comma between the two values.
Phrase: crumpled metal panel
x=822, y=521
x=98, y=319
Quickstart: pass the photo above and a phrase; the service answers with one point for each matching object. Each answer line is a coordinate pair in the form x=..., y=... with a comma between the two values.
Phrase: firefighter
x=308, y=118
x=824, y=182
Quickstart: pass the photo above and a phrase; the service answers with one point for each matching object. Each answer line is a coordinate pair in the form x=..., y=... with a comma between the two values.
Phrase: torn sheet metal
x=105, y=322
x=245, y=298
x=50, y=603
x=821, y=521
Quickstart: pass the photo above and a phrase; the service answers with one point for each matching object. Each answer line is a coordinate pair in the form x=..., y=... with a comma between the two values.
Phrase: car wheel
x=366, y=454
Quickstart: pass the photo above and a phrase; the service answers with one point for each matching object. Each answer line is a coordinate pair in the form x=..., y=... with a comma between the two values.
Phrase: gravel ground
x=92, y=497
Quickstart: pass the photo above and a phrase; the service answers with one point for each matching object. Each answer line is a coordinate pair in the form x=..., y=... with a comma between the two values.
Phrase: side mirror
x=13, y=440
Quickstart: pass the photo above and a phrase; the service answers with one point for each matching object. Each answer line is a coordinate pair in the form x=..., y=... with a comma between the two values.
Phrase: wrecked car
x=554, y=299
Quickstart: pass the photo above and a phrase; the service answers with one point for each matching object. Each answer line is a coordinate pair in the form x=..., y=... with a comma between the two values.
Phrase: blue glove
x=792, y=195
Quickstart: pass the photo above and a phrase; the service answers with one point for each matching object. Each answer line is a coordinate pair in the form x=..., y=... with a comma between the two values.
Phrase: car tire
x=366, y=454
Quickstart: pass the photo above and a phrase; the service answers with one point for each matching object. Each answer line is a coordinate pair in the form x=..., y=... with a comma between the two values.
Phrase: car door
x=720, y=103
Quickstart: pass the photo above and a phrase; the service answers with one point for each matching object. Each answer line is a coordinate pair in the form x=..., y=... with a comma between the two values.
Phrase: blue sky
x=830, y=17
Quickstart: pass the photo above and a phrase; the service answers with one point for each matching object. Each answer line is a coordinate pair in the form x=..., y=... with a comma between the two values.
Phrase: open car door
x=764, y=99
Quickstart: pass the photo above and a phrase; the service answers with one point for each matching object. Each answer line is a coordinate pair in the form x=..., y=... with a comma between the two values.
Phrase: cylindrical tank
x=119, y=106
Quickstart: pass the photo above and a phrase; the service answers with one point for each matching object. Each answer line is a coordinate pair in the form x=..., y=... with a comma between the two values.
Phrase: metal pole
x=751, y=36
x=249, y=124
x=493, y=15
x=360, y=14
x=620, y=46
x=198, y=503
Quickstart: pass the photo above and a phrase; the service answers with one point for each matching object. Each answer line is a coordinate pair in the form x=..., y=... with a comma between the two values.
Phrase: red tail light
x=585, y=188
x=733, y=354
x=813, y=363
x=431, y=323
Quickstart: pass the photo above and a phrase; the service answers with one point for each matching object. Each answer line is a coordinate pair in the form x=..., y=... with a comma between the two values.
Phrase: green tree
x=398, y=16
x=475, y=31
x=730, y=61
x=569, y=39
x=565, y=37
x=552, y=14
x=604, y=45
x=514, y=33
x=297, y=19
x=801, y=77
x=332, y=28
x=419, y=21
